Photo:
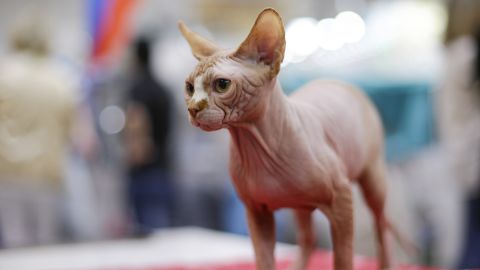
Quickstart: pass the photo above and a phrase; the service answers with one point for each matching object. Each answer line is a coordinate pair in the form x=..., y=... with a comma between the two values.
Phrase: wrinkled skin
x=299, y=152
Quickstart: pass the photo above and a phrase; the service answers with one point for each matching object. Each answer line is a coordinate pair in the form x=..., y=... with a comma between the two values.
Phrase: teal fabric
x=406, y=110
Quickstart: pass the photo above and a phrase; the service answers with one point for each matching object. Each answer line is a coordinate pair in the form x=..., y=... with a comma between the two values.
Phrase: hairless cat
x=299, y=152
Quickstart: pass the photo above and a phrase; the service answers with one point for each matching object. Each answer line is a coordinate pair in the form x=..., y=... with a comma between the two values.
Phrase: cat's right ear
x=200, y=46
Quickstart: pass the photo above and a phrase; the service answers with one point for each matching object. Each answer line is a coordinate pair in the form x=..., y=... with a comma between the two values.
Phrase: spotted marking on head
x=200, y=91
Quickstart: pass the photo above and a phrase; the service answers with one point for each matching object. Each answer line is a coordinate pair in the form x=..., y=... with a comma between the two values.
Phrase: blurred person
x=148, y=125
x=459, y=117
x=204, y=198
x=36, y=114
x=468, y=114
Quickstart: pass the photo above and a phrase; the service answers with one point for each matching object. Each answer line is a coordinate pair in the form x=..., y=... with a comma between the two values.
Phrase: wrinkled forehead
x=206, y=67
x=223, y=65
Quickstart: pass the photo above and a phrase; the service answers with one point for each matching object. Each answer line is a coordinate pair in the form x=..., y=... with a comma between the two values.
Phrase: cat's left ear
x=266, y=41
x=200, y=46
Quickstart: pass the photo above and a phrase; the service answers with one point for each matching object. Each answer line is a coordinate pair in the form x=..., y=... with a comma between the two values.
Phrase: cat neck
x=262, y=132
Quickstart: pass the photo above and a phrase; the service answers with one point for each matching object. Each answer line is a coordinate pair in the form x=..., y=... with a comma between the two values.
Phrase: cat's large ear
x=266, y=41
x=200, y=46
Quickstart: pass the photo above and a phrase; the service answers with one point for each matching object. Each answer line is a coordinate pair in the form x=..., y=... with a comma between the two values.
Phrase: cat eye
x=222, y=85
x=189, y=88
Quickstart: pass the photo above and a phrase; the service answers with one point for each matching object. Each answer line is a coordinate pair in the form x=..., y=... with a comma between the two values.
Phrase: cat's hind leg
x=373, y=186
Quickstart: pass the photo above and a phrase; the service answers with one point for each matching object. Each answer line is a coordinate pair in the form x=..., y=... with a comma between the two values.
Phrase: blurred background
x=95, y=142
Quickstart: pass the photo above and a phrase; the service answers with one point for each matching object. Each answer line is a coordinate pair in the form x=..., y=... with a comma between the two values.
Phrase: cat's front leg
x=306, y=238
x=262, y=231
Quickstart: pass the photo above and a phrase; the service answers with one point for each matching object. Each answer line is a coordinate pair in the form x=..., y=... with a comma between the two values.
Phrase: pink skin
x=298, y=152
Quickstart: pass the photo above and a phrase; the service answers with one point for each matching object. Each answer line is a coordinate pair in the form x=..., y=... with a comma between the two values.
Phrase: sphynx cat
x=299, y=152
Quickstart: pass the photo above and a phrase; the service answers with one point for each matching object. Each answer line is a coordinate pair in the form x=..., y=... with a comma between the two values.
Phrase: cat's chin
x=207, y=127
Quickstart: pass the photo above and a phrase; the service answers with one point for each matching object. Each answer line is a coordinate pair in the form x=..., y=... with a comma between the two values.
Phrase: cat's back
x=316, y=92
x=344, y=114
x=331, y=97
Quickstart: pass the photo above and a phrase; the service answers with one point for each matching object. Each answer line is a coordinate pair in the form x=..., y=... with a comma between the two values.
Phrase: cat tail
x=406, y=244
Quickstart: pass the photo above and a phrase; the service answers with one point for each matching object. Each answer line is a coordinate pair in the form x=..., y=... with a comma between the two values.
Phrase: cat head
x=227, y=87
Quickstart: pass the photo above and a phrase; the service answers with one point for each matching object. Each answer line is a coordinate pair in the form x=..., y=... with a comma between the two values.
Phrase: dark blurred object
x=463, y=18
x=37, y=114
x=471, y=251
x=476, y=76
x=149, y=110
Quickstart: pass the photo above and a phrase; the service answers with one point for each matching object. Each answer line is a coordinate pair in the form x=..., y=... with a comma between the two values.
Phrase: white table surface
x=185, y=246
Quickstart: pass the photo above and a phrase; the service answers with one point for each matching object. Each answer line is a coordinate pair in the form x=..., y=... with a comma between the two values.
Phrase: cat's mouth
x=208, y=120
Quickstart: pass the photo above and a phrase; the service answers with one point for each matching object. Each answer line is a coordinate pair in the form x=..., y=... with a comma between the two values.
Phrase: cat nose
x=193, y=111
x=196, y=107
